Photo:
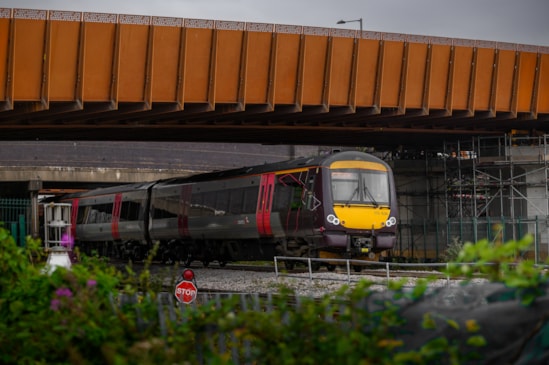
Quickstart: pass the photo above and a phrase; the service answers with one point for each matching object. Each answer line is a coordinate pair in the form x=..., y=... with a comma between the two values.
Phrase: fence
x=428, y=240
x=14, y=213
x=211, y=338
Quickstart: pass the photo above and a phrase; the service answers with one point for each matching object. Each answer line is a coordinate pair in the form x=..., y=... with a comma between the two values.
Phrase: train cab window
x=345, y=186
x=375, y=187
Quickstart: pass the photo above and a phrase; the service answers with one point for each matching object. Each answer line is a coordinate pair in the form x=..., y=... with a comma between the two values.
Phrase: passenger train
x=339, y=205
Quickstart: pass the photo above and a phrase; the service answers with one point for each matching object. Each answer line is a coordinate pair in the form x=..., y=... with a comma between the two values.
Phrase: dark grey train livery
x=337, y=205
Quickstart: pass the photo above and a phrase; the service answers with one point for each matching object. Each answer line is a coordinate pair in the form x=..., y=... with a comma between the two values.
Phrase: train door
x=295, y=195
x=264, y=205
x=115, y=221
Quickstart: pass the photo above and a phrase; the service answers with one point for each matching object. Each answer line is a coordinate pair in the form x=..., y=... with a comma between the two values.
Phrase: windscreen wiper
x=367, y=191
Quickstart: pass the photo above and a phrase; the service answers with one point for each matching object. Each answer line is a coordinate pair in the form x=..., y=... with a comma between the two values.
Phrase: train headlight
x=390, y=222
x=333, y=219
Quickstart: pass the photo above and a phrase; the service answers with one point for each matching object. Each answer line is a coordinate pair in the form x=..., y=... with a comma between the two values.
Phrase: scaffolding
x=493, y=188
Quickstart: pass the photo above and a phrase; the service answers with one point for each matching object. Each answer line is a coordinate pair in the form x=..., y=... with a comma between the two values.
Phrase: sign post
x=185, y=290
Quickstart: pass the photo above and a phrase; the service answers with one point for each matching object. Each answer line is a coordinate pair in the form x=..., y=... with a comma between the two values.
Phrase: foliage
x=453, y=250
x=500, y=263
x=94, y=314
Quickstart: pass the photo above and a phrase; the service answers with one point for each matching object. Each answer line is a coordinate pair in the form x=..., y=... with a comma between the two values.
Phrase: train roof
x=110, y=190
x=302, y=162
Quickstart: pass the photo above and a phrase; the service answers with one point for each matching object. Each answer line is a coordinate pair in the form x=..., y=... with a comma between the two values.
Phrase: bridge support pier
x=34, y=188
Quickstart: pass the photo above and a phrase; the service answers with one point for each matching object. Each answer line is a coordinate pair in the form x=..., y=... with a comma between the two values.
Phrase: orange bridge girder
x=80, y=75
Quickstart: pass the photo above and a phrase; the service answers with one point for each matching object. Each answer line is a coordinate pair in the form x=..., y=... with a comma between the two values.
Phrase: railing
x=348, y=264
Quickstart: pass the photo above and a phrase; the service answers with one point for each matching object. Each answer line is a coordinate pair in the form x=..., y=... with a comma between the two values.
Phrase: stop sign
x=185, y=291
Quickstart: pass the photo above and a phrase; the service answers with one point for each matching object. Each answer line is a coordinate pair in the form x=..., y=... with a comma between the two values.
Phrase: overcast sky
x=515, y=21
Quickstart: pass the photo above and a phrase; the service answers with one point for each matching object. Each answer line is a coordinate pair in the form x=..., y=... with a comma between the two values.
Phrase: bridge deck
x=72, y=75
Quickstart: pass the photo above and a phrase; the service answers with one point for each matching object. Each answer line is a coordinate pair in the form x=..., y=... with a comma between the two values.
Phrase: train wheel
x=315, y=266
x=168, y=258
x=138, y=254
x=357, y=268
x=188, y=261
x=331, y=267
x=290, y=265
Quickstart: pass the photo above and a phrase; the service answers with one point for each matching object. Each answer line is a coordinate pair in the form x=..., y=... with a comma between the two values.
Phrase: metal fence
x=428, y=240
x=14, y=214
x=211, y=339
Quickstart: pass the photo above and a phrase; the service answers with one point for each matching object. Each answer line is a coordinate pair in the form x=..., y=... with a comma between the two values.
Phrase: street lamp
x=349, y=21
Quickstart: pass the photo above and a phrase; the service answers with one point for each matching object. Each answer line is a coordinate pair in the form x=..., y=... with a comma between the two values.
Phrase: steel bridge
x=97, y=76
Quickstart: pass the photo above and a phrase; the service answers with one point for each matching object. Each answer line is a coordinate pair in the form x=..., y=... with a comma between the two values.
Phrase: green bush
x=81, y=316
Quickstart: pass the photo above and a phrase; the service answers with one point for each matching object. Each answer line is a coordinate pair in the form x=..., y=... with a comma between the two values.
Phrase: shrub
x=93, y=314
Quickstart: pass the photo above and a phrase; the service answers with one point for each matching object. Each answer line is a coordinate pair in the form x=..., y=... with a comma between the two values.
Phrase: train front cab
x=360, y=209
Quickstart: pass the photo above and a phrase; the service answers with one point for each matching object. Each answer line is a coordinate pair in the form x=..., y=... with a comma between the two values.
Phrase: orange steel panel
x=505, y=74
x=28, y=59
x=543, y=96
x=167, y=43
x=287, y=63
x=483, y=78
x=463, y=60
x=229, y=50
x=415, y=77
x=134, y=62
x=257, y=77
x=527, y=72
x=4, y=44
x=134, y=40
x=440, y=68
x=314, y=69
x=392, y=68
x=197, y=67
x=340, y=78
x=64, y=54
x=367, y=72
x=98, y=61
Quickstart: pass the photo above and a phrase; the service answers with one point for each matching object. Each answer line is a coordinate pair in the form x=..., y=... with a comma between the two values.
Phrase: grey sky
x=515, y=21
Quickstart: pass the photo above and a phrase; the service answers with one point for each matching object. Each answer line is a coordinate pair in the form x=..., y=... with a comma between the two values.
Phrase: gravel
x=303, y=284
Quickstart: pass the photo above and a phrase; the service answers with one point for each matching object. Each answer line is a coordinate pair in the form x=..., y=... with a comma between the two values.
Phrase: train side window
x=236, y=201
x=284, y=197
x=83, y=213
x=222, y=202
x=165, y=207
x=250, y=200
x=129, y=211
x=104, y=213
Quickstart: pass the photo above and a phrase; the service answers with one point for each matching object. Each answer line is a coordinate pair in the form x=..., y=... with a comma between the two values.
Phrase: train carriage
x=341, y=204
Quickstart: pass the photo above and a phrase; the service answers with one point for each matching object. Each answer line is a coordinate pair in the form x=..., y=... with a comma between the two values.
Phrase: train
x=340, y=205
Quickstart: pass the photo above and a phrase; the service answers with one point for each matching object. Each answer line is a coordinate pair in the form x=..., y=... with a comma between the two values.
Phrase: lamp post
x=349, y=21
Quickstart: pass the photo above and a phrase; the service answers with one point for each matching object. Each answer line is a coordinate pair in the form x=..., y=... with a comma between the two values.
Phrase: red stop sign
x=186, y=291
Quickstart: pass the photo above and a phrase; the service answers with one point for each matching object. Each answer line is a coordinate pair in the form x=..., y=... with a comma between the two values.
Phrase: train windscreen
x=360, y=187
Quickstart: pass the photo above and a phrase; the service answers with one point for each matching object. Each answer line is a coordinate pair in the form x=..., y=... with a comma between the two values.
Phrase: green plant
x=500, y=263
